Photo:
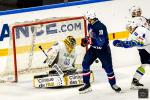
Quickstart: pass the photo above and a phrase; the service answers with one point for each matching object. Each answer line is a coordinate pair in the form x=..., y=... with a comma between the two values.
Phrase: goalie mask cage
x=24, y=56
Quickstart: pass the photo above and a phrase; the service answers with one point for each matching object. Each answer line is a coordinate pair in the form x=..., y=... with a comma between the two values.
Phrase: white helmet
x=90, y=15
x=135, y=11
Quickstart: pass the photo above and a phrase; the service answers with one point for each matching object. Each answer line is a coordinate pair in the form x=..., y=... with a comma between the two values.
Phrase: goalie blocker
x=56, y=80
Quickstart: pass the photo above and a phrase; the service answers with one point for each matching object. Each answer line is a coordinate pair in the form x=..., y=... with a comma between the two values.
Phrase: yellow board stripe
x=23, y=49
x=3, y=52
x=118, y=35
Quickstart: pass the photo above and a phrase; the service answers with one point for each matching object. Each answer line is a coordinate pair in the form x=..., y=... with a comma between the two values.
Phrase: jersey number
x=67, y=61
x=100, y=32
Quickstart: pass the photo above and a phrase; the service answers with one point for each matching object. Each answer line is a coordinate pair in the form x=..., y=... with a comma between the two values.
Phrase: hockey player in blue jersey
x=99, y=49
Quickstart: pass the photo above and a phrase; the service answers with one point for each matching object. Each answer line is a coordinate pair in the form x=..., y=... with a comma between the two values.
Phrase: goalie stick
x=44, y=53
x=55, y=66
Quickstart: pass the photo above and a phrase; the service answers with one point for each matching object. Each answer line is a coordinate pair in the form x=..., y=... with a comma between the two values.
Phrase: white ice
x=23, y=90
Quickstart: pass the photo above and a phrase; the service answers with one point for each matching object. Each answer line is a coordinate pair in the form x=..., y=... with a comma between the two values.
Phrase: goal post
x=25, y=56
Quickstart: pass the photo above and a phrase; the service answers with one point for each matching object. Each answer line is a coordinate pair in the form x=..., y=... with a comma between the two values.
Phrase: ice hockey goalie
x=61, y=58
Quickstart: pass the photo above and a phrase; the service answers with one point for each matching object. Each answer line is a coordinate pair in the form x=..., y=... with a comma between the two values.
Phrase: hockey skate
x=116, y=88
x=85, y=89
x=136, y=85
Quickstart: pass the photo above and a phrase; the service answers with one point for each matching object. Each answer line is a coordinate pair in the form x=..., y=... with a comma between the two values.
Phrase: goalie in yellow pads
x=61, y=58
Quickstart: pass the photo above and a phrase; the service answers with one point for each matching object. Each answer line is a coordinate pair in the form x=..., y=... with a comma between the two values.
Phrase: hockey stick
x=43, y=51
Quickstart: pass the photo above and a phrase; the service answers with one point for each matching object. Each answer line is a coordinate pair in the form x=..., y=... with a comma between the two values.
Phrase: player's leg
x=137, y=76
x=145, y=59
x=87, y=61
x=105, y=58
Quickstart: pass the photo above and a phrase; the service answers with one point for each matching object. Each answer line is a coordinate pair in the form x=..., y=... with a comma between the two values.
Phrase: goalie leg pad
x=48, y=81
x=76, y=79
x=56, y=80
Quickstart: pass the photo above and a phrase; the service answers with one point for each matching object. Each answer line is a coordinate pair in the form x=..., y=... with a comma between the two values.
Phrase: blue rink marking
x=45, y=7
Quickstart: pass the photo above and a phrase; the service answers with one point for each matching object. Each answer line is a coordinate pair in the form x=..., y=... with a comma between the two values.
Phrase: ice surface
x=23, y=90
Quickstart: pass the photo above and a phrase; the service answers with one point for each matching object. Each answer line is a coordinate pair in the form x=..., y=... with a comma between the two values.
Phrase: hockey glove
x=85, y=41
x=118, y=43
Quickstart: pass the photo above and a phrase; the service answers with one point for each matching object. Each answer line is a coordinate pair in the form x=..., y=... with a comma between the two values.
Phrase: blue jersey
x=98, y=33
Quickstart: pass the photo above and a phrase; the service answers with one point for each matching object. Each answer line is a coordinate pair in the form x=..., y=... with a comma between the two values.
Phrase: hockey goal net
x=25, y=57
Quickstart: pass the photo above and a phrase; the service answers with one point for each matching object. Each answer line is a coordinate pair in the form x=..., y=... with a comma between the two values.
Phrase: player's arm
x=52, y=54
x=55, y=48
x=136, y=38
x=86, y=40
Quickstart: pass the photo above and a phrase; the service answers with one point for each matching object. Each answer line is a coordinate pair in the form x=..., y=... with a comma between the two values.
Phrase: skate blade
x=119, y=91
x=85, y=91
x=136, y=87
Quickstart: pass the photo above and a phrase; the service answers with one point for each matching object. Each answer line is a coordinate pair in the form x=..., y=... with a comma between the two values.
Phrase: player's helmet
x=90, y=15
x=70, y=41
x=135, y=11
x=131, y=25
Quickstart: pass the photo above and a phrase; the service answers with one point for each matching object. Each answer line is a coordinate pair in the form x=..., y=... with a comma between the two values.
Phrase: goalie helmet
x=70, y=42
x=135, y=11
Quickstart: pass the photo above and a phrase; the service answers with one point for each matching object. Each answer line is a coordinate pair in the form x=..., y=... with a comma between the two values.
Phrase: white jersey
x=141, y=34
x=140, y=21
x=65, y=59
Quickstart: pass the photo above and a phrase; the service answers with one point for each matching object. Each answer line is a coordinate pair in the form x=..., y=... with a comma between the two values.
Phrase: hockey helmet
x=135, y=11
x=90, y=15
x=70, y=42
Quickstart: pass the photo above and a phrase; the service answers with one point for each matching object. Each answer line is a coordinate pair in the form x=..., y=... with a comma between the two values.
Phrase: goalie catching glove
x=85, y=41
x=127, y=44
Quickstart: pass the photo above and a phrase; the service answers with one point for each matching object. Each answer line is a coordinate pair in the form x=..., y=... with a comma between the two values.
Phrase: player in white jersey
x=139, y=37
x=61, y=59
x=138, y=20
